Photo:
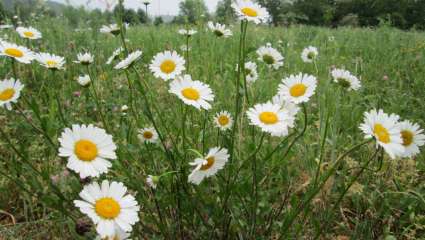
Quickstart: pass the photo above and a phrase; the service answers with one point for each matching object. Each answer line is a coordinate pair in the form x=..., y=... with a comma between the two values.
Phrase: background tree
x=224, y=12
x=191, y=11
x=158, y=21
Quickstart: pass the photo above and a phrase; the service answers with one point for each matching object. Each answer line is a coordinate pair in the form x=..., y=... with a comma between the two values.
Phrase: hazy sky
x=157, y=7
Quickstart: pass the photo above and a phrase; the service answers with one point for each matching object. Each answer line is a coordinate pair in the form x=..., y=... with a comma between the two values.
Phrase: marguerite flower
x=298, y=88
x=309, y=54
x=251, y=73
x=130, y=60
x=209, y=165
x=84, y=58
x=148, y=135
x=28, y=33
x=413, y=137
x=271, y=118
x=84, y=80
x=250, y=11
x=119, y=235
x=50, y=61
x=187, y=32
x=109, y=207
x=223, y=120
x=167, y=65
x=193, y=93
x=219, y=29
x=10, y=91
x=386, y=131
x=87, y=148
x=287, y=105
x=152, y=181
x=345, y=79
x=115, y=55
x=19, y=53
x=270, y=56
x=113, y=29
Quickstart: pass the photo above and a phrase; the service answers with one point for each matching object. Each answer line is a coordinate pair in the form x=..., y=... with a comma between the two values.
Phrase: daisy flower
x=250, y=11
x=109, y=207
x=152, y=181
x=19, y=53
x=386, y=131
x=10, y=91
x=309, y=54
x=119, y=235
x=87, y=148
x=115, y=55
x=130, y=60
x=209, y=165
x=113, y=29
x=298, y=88
x=193, y=93
x=187, y=32
x=250, y=71
x=28, y=33
x=167, y=65
x=84, y=58
x=84, y=80
x=148, y=135
x=270, y=56
x=50, y=61
x=219, y=29
x=271, y=118
x=413, y=137
x=345, y=79
x=223, y=120
x=287, y=105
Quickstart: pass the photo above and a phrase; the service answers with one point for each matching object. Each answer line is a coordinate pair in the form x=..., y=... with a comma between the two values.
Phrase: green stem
x=312, y=193
x=322, y=149
x=347, y=188
x=95, y=96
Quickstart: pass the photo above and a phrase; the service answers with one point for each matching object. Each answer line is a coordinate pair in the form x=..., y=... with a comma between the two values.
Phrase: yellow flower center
x=298, y=90
x=191, y=93
x=269, y=118
x=249, y=12
x=86, y=150
x=407, y=137
x=107, y=208
x=29, y=34
x=208, y=165
x=7, y=94
x=14, y=52
x=223, y=120
x=381, y=133
x=147, y=135
x=168, y=66
x=51, y=63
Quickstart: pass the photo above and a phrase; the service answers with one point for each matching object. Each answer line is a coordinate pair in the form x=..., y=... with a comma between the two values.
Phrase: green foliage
x=387, y=204
x=192, y=11
x=158, y=21
x=224, y=12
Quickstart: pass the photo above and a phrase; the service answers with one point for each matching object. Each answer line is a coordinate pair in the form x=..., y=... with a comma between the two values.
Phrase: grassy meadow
x=292, y=187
